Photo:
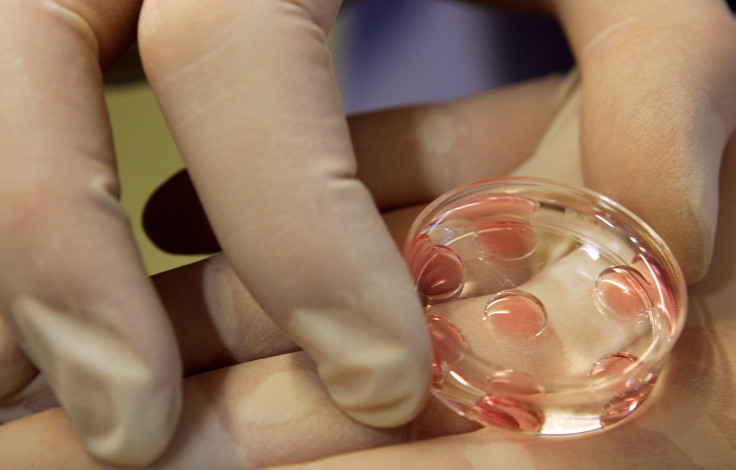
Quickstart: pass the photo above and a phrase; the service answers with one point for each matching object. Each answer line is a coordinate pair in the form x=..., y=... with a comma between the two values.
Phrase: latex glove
x=249, y=96
x=73, y=291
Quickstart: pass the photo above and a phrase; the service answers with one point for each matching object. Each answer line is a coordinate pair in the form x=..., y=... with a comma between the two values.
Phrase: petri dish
x=551, y=309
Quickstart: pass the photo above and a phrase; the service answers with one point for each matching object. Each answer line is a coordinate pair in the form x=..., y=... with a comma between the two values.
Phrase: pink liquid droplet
x=516, y=313
x=447, y=339
x=625, y=404
x=508, y=413
x=506, y=237
x=621, y=290
x=440, y=274
x=415, y=254
x=613, y=365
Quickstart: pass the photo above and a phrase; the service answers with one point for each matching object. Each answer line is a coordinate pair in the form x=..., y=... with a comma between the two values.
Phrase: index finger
x=72, y=285
x=249, y=95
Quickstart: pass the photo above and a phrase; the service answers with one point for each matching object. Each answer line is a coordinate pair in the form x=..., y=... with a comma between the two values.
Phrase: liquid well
x=623, y=291
x=508, y=413
x=440, y=274
x=506, y=237
x=516, y=313
x=448, y=344
x=447, y=339
x=551, y=311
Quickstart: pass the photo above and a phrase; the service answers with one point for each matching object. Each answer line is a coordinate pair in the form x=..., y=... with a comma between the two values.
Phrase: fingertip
x=383, y=386
x=128, y=419
x=135, y=433
x=122, y=398
x=392, y=410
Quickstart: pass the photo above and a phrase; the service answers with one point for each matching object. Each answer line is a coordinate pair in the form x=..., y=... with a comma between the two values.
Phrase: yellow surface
x=147, y=156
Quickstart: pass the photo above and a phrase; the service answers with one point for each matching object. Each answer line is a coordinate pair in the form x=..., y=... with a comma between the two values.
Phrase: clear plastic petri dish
x=551, y=309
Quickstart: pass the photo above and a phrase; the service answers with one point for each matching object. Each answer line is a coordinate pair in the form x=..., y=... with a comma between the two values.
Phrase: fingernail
x=123, y=408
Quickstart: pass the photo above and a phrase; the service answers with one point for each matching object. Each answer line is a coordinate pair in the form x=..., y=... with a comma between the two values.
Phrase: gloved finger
x=658, y=105
x=405, y=156
x=72, y=286
x=261, y=413
x=268, y=149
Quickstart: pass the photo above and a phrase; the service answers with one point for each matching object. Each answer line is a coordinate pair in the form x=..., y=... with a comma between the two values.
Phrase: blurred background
x=386, y=53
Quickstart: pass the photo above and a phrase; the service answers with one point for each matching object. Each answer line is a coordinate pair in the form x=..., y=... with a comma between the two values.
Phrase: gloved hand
x=73, y=291
x=248, y=94
x=251, y=101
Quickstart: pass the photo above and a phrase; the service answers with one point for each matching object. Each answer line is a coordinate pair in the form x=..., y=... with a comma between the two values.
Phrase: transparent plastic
x=551, y=309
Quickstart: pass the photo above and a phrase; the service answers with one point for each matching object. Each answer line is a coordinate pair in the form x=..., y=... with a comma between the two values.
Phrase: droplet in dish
x=622, y=291
x=508, y=413
x=439, y=274
x=447, y=339
x=516, y=313
x=506, y=237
